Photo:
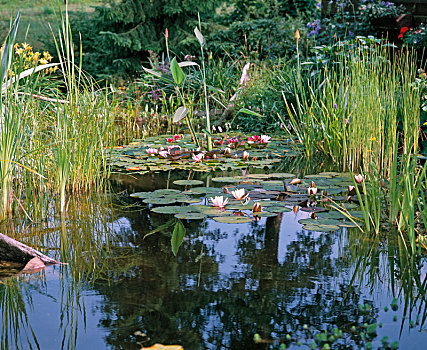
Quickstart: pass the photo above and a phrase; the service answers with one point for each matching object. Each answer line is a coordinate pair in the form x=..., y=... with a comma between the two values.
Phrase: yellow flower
x=18, y=51
x=43, y=61
x=47, y=55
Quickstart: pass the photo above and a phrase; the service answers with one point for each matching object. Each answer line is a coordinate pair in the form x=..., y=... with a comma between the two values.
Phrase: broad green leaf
x=199, y=36
x=177, y=237
x=177, y=73
x=180, y=114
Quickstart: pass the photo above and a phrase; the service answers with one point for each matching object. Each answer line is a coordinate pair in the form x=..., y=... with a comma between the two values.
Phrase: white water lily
x=219, y=201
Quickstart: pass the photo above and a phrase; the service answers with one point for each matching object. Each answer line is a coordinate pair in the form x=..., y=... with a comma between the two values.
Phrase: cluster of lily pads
x=327, y=197
x=179, y=152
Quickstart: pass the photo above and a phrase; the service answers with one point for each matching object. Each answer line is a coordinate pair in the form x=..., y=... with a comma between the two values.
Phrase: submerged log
x=12, y=250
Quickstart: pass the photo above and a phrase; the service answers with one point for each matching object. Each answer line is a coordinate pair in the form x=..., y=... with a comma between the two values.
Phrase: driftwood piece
x=12, y=250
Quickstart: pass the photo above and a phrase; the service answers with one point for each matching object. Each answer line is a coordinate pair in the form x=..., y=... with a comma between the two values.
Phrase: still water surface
x=227, y=282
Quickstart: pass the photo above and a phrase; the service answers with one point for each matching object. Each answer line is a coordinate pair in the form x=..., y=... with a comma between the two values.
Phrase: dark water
x=227, y=282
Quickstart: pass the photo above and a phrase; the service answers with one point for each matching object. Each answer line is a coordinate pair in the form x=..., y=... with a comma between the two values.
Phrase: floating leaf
x=190, y=216
x=210, y=211
x=177, y=237
x=319, y=222
x=204, y=190
x=265, y=214
x=232, y=219
x=172, y=209
x=226, y=179
x=278, y=209
x=141, y=195
x=165, y=191
x=158, y=200
x=188, y=182
x=320, y=228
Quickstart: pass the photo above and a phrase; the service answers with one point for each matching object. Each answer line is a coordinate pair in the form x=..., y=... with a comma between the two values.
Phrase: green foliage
x=118, y=36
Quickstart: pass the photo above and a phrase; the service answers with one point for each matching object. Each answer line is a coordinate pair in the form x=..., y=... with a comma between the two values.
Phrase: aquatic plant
x=219, y=201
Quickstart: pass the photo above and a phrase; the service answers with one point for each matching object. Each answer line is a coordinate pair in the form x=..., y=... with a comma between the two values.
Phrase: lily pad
x=188, y=182
x=172, y=209
x=320, y=222
x=277, y=209
x=164, y=192
x=211, y=211
x=320, y=228
x=265, y=214
x=232, y=219
x=331, y=215
x=141, y=195
x=226, y=179
x=158, y=201
x=190, y=216
x=204, y=190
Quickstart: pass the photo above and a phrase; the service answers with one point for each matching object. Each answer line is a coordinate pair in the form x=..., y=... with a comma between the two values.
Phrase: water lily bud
x=245, y=155
x=257, y=207
x=295, y=181
x=358, y=178
x=227, y=151
x=235, y=156
x=166, y=33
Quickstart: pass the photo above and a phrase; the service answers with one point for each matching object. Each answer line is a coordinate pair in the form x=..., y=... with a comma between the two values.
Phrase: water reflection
x=227, y=283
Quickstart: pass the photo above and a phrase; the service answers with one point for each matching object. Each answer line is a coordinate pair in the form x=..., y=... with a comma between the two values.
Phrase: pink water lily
x=219, y=201
x=163, y=154
x=358, y=178
x=170, y=139
x=254, y=138
x=264, y=139
x=151, y=151
x=198, y=157
x=176, y=137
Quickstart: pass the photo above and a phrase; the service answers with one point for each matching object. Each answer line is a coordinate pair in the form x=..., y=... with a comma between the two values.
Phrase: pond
x=254, y=285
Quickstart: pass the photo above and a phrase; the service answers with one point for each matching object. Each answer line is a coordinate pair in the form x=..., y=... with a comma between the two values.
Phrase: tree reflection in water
x=227, y=282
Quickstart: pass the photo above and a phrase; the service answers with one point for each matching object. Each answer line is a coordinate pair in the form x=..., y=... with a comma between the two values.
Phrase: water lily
x=152, y=151
x=239, y=194
x=264, y=139
x=257, y=207
x=245, y=155
x=176, y=137
x=163, y=154
x=198, y=157
x=227, y=150
x=172, y=147
x=312, y=191
x=219, y=201
x=358, y=178
x=170, y=139
x=254, y=138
